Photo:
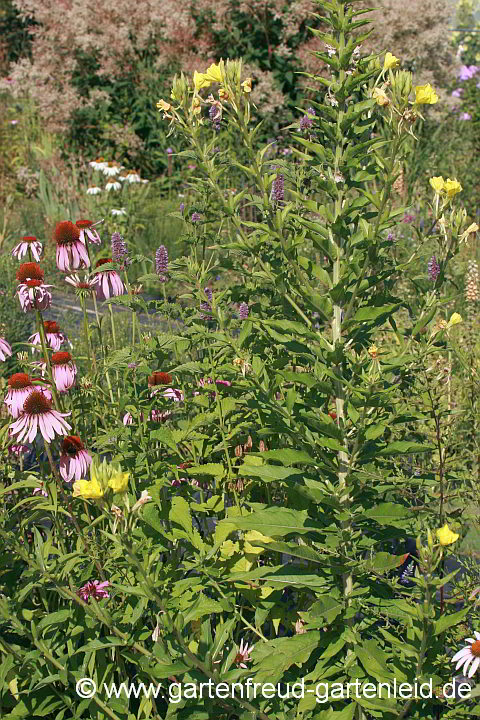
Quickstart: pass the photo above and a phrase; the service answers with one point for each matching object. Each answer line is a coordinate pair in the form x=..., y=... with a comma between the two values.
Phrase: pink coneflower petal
x=5, y=349
x=64, y=371
x=29, y=242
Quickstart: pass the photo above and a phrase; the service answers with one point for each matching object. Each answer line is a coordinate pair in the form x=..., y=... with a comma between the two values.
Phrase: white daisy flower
x=111, y=169
x=120, y=211
x=98, y=164
x=93, y=190
x=133, y=177
x=113, y=185
x=469, y=655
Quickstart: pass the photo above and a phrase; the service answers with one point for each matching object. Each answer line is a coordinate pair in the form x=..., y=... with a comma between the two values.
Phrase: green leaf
x=373, y=313
x=446, y=621
x=401, y=447
x=273, y=522
x=388, y=514
x=56, y=618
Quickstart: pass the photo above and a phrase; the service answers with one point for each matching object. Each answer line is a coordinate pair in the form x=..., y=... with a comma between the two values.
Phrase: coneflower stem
x=87, y=333
x=41, y=332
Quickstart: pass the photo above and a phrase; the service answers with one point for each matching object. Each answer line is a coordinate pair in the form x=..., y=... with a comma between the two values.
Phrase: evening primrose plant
x=254, y=513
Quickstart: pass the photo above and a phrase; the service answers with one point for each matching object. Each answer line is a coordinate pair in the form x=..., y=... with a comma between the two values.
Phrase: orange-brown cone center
x=36, y=404
x=19, y=381
x=66, y=233
x=61, y=358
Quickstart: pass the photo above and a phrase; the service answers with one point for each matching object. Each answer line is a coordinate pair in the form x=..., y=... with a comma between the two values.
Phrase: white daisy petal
x=474, y=667
x=461, y=653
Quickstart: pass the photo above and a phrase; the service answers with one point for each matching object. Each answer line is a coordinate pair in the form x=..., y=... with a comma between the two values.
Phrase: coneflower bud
x=278, y=192
x=243, y=311
x=433, y=268
x=161, y=263
x=119, y=248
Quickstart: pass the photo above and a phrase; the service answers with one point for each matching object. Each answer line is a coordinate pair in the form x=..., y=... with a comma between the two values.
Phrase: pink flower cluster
x=95, y=589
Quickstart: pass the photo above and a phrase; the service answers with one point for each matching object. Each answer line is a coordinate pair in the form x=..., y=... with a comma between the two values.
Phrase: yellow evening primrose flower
x=247, y=85
x=437, y=183
x=454, y=320
x=215, y=73
x=200, y=81
x=425, y=95
x=445, y=536
x=452, y=187
x=119, y=481
x=88, y=489
x=471, y=229
x=380, y=96
x=390, y=61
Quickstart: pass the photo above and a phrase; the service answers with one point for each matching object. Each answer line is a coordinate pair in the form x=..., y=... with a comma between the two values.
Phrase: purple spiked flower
x=278, y=191
x=195, y=217
x=161, y=263
x=305, y=123
x=433, y=268
x=243, y=311
x=119, y=249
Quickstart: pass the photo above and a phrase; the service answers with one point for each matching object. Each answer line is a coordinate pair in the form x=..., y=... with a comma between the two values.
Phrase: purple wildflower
x=278, y=190
x=305, y=123
x=182, y=207
x=390, y=237
x=195, y=217
x=119, y=248
x=433, y=268
x=457, y=93
x=205, y=306
x=468, y=71
x=243, y=311
x=465, y=116
x=408, y=218
x=169, y=151
x=161, y=263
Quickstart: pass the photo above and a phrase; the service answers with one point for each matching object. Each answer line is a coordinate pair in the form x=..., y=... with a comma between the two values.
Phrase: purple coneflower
x=83, y=287
x=161, y=263
x=109, y=282
x=243, y=311
x=5, y=349
x=433, y=268
x=74, y=460
x=20, y=250
x=40, y=491
x=88, y=231
x=71, y=251
x=243, y=655
x=64, y=371
x=20, y=386
x=95, y=589
x=160, y=415
x=174, y=394
x=32, y=292
x=38, y=414
x=53, y=336
x=469, y=655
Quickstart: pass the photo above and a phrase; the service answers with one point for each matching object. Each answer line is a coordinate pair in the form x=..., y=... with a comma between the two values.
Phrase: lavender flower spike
x=161, y=263
x=278, y=190
x=243, y=311
x=119, y=248
x=433, y=268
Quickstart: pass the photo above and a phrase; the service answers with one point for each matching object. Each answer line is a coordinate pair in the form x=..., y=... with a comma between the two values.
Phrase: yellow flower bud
x=390, y=61
x=223, y=94
x=373, y=351
x=196, y=106
x=247, y=85
x=425, y=95
x=445, y=536
x=437, y=183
